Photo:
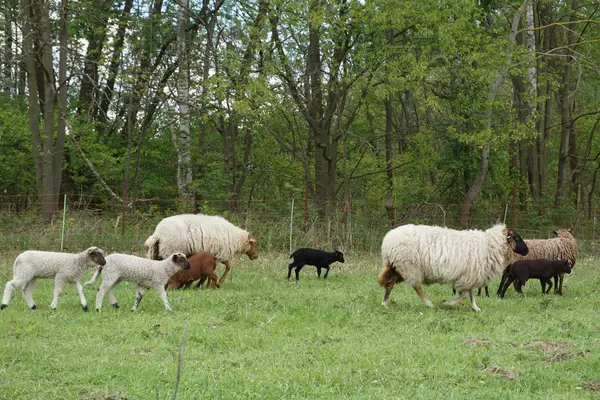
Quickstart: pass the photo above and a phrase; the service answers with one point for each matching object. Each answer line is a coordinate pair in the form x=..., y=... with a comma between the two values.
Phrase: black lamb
x=542, y=269
x=318, y=258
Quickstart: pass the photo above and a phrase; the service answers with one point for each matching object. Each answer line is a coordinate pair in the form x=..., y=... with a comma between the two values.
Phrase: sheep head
x=516, y=243
x=181, y=261
x=564, y=233
x=251, y=249
x=96, y=255
x=339, y=256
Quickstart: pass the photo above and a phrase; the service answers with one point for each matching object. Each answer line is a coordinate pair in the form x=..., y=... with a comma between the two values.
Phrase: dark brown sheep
x=202, y=266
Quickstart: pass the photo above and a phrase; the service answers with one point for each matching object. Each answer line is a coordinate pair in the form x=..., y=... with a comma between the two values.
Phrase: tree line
x=375, y=102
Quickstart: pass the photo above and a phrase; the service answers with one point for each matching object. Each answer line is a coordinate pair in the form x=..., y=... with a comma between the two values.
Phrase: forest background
x=366, y=114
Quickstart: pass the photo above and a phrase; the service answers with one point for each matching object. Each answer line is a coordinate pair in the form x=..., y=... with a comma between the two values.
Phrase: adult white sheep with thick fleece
x=145, y=273
x=63, y=267
x=421, y=254
x=192, y=233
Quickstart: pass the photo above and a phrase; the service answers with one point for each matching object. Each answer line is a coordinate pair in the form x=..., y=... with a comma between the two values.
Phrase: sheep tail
x=94, y=277
x=152, y=245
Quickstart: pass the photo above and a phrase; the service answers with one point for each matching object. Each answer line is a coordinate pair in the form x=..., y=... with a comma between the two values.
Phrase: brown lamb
x=202, y=266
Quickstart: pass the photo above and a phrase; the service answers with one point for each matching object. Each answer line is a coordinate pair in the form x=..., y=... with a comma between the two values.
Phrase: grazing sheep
x=191, y=233
x=420, y=254
x=146, y=273
x=561, y=247
x=542, y=269
x=63, y=267
x=318, y=258
x=202, y=266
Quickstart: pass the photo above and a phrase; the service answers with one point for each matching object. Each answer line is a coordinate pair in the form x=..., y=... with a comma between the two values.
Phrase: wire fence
x=279, y=225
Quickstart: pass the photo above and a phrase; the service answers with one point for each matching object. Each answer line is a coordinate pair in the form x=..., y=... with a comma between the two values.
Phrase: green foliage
x=16, y=159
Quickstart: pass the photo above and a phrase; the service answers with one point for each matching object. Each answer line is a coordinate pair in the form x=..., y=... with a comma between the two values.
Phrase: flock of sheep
x=185, y=248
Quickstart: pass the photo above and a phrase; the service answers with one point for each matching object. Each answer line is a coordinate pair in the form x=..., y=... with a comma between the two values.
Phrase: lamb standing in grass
x=562, y=247
x=319, y=258
x=544, y=270
x=145, y=273
x=420, y=254
x=202, y=267
x=63, y=267
x=192, y=233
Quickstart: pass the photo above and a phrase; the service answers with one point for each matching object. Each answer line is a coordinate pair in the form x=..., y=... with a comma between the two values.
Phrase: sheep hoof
x=116, y=306
x=85, y=308
x=3, y=306
x=97, y=310
x=53, y=308
x=33, y=307
x=476, y=309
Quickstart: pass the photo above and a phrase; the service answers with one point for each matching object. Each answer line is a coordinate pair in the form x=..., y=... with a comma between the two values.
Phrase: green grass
x=260, y=336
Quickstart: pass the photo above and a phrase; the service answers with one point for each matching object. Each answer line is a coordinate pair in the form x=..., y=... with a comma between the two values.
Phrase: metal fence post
x=62, y=236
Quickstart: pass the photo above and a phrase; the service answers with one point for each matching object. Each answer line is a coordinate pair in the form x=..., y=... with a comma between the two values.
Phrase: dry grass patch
x=547, y=347
x=506, y=373
x=477, y=342
x=594, y=386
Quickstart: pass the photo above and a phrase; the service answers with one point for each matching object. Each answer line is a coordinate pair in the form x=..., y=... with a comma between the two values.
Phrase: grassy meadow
x=262, y=336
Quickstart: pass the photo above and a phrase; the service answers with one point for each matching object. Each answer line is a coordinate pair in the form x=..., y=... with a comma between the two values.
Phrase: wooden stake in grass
x=180, y=361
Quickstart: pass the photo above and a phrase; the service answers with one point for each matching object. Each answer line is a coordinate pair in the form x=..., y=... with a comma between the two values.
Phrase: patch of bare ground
x=546, y=346
x=594, y=386
x=506, y=373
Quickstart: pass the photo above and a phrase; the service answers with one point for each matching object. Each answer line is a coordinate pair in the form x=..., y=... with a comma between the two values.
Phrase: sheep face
x=516, y=243
x=96, y=255
x=564, y=233
x=566, y=267
x=339, y=256
x=251, y=249
x=181, y=261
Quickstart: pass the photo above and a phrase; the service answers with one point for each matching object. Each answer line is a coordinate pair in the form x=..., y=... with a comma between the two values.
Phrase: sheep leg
x=326, y=272
x=318, y=272
x=290, y=268
x=500, y=293
x=8, y=290
x=227, y=268
x=212, y=281
x=28, y=294
x=509, y=279
x=519, y=287
x=473, y=305
x=163, y=296
x=549, y=283
x=422, y=296
x=560, y=279
x=111, y=298
x=457, y=300
x=105, y=287
x=298, y=269
x=58, y=285
x=139, y=295
x=200, y=282
x=82, y=299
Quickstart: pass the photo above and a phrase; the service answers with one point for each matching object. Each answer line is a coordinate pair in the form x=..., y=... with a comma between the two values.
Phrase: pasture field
x=263, y=337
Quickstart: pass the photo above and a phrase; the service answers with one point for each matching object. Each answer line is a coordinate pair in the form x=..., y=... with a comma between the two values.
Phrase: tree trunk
x=113, y=69
x=389, y=192
x=96, y=36
x=184, y=162
x=564, y=95
x=473, y=192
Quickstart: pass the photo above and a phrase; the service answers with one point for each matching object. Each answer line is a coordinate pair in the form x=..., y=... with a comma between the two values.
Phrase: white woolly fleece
x=192, y=233
x=430, y=254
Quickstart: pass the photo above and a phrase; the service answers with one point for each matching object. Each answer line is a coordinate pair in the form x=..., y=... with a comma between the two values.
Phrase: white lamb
x=145, y=273
x=63, y=267
x=192, y=233
x=420, y=254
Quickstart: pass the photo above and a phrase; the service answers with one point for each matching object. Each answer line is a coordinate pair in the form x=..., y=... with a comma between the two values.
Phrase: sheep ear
x=252, y=241
x=555, y=232
x=175, y=258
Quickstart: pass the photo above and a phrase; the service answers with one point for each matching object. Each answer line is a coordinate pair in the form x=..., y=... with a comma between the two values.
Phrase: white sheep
x=63, y=267
x=420, y=254
x=145, y=273
x=192, y=233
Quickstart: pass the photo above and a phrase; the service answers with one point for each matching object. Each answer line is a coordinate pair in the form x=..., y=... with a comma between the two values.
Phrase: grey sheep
x=144, y=272
x=63, y=267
